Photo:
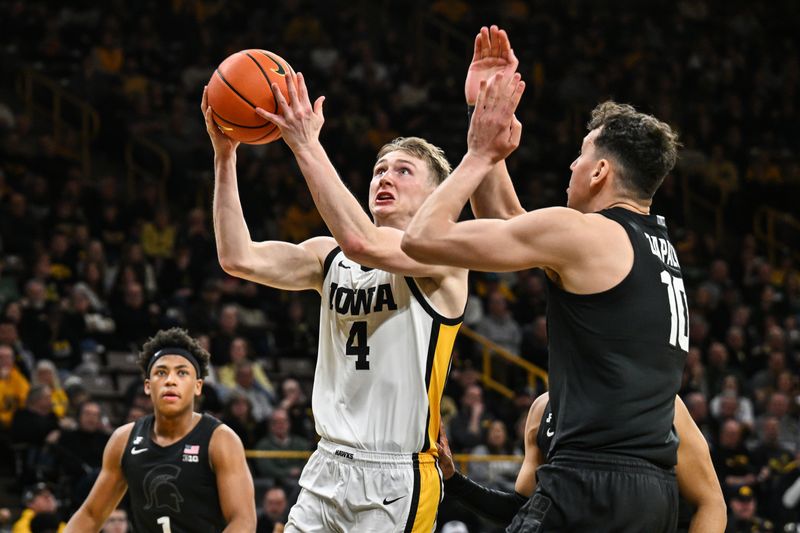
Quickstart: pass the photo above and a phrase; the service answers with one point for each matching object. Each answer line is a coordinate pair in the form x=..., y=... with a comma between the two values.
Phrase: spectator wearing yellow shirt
x=13, y=386
x=301, y=220
x=109, y=56
x=46, y=374
x=38, y=499
x=240, y=351
x=158, y=236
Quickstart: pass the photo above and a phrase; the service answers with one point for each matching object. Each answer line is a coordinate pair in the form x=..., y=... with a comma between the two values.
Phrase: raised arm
x=234, y=482
x=278, y=264
x=495, y=197
x=107, y=491
x=359, y=238
x=697, y=480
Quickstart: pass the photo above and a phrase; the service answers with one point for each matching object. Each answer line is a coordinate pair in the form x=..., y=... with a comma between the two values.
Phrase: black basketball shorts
x=600, y=493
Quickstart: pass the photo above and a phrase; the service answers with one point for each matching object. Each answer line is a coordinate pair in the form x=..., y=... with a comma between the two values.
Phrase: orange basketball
x=239, y=85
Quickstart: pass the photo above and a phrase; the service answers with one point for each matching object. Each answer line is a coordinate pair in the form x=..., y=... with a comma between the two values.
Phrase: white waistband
x=371, y=459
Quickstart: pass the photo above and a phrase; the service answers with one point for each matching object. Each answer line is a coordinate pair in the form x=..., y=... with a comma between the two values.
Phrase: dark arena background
x=106, y=236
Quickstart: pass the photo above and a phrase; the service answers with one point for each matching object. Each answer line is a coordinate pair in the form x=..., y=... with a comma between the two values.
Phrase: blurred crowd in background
x=91, y=265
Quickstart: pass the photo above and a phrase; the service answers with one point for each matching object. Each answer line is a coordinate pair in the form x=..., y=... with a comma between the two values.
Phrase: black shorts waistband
x=612, y=462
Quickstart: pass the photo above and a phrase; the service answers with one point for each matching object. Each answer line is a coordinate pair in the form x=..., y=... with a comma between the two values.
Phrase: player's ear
x=198, y=386
x=147, y=386
x=600, y=174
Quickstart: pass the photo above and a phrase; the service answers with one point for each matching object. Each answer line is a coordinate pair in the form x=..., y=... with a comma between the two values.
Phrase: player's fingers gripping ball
x=242, y=83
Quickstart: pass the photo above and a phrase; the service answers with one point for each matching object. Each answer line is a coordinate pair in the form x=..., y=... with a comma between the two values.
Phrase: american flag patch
x=193, y=449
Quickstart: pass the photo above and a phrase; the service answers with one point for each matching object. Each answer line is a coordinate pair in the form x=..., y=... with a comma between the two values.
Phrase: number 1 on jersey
x=357, y=344
x=164, y=521
x=678, y=310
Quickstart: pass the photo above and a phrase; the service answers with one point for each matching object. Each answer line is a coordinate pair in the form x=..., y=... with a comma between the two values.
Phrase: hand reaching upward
x=494, y=131
x=492, y=55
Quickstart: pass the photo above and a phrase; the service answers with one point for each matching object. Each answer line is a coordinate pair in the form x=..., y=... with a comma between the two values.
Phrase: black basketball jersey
x=616, y=357
x=172, y=489
x=544, y=437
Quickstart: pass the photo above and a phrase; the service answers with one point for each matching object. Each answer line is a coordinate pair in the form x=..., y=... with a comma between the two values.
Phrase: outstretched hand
x=299, y=122
x=223, y=145
x=446, y=464
x=494, y=131
x=493, y=54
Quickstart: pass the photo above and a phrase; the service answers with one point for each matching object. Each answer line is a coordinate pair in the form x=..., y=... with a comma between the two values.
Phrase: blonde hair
x=418, y=147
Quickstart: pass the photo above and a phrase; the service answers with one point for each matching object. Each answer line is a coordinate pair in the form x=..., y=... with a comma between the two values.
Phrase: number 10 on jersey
x=678, y=311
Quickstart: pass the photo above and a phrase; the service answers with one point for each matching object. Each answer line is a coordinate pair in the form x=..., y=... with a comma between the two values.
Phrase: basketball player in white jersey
x=387, y=323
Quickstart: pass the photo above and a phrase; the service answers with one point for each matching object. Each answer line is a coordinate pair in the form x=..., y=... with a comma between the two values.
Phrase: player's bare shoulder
x=117, y=442
x=224, y=442
x=321, y=247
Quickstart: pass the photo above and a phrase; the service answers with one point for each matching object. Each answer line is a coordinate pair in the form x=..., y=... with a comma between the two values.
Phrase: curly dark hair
x=173, y=338
x=644, y=148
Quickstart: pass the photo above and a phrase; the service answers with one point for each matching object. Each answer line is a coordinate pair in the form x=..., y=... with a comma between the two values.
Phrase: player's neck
x=631, y=206
x=170, y=429
x=397, y=222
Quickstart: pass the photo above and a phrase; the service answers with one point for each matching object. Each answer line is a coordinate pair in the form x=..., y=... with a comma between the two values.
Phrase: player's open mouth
x=170, y=396
x=383, y=198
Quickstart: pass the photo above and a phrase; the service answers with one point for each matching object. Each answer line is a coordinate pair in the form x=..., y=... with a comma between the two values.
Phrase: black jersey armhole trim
x=329, y=261
x=415, y=290
x=631, y=236
x=129, y=441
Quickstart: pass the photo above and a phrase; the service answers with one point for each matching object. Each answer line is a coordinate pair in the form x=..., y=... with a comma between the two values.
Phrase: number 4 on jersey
x=357, y=344
x=678, y=310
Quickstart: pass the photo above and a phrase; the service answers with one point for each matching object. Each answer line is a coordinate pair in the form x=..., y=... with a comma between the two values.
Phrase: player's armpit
x=549, y=237
x=234, y=482
x=284, y=265
x=107, y=491
x=697, y=480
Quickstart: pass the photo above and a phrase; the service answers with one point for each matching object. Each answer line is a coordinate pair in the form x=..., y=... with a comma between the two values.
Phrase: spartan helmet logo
x=160, y=489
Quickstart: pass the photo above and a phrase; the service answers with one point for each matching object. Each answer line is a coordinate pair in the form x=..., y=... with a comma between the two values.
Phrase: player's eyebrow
x=400, y=160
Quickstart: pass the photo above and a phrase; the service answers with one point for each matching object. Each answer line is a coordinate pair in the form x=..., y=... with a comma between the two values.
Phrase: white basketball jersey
x=384, y=355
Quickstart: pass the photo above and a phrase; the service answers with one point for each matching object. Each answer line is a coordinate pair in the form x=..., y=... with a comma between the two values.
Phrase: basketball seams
x=235, y=76
x=232, y=88
x=259, y=131
x=266, y=77
x=263, y=125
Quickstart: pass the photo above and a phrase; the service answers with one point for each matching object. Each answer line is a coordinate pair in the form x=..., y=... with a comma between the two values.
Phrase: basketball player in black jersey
x=186, y=472
x=617, y=312
x=697, y=479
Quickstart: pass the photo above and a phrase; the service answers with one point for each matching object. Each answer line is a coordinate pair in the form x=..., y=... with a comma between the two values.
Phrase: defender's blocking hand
x=492, y=54
x=494, y=131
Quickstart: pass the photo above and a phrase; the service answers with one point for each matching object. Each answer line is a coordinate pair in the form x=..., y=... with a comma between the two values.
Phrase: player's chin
x=383, y=209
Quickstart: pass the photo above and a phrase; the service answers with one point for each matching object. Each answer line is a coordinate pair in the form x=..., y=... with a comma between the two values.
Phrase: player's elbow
x=417, y=246
x=354, y=247
x=362, y=250
x=229, y=265
x=234, y=265
x=713, y=507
